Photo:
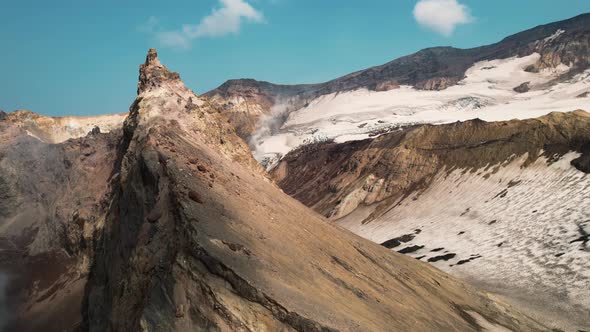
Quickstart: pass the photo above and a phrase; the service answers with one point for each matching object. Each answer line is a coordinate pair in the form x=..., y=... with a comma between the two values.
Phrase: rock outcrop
x=335, y=178
x=153, y=74
x=523, y=88
x=246, y=101
x=386, y=86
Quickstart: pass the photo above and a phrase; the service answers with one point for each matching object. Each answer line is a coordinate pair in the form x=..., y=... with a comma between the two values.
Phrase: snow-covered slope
x=521, y=232
x=503, y=205
x=487, y=92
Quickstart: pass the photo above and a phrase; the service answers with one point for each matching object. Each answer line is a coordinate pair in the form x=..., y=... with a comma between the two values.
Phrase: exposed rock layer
x=336, y=178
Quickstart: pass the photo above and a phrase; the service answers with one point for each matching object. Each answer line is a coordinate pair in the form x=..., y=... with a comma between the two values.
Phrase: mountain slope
x=440, y=67
x=197, y=238
x=500, y=204
x=538, y=71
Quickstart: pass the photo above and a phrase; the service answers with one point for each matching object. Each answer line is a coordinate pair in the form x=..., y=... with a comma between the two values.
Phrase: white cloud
x=173, y=39
x=225, y=20
x=442, y=16
x=150, y=25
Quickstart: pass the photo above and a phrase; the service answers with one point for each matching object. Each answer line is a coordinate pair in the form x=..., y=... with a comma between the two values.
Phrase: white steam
x=268, y=126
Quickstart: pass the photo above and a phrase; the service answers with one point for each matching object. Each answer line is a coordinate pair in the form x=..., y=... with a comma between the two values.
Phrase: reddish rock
x=195, y=196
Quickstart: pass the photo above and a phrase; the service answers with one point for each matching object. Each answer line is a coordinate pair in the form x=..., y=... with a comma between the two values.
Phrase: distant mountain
x=440, y=67
x=563, y=48
x=60, y=129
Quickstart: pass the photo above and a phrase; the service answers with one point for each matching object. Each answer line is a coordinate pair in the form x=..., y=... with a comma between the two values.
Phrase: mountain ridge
x=532, y=34
x=436, y=68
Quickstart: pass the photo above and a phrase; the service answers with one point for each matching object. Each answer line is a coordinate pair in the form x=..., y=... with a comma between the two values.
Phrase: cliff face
x=336, y=178
x=197, y=238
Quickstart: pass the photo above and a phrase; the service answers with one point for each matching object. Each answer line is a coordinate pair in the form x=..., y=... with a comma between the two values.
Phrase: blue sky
x=81, y=57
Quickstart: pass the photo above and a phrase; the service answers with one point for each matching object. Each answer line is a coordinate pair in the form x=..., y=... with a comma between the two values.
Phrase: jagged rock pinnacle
x=152, y=74
x=152, y=58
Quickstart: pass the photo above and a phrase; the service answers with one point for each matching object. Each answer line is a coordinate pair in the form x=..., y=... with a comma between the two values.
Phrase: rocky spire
x=152, y=58
x=152, y=74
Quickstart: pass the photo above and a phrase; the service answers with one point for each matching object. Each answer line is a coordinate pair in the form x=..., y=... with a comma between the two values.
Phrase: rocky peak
x=156, y=86
x=164, y=100
x=152, y=58
x=152, y=74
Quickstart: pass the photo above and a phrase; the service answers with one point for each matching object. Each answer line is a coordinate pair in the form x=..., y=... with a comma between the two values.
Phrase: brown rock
x=179, y=311
x=152, y=74
x=524, y=87
x=386, y=86
x=437, y=83
x=154, y=216
x=195, y=196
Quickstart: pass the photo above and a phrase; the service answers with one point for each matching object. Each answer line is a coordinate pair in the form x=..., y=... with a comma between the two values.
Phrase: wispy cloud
x=227, y=19
x=150, y=25
x=442, y=16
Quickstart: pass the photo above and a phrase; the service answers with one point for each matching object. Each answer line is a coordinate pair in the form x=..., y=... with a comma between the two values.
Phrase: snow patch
x=554, y=36
x=517, y=232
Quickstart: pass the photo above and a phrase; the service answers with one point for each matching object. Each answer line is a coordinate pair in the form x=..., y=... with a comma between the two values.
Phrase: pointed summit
x=152, y=74
x=152, y=58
